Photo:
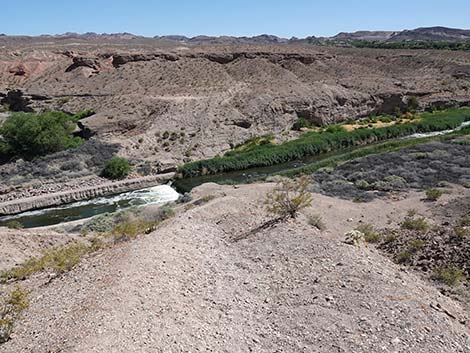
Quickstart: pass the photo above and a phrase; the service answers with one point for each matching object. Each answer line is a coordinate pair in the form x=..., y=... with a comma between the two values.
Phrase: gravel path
x=188, y=288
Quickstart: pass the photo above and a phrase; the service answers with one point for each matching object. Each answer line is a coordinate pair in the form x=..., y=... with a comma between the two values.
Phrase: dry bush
x=289, y=197
x=450, y=275
x=370, y=233
x=433, y=194
x=418, y=224
x=59, y=259
x=317, y=222
x=10, y=308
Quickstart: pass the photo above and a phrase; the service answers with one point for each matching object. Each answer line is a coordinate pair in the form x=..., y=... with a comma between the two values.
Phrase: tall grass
x=314, y=143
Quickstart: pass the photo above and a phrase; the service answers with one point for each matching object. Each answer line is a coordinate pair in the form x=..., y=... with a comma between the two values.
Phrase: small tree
x=413, y=104
x=116, y=168
x=29, y=135
x=289, y=197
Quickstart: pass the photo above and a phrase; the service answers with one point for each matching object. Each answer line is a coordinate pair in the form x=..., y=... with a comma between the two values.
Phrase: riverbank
x=82, y=193
x=316, y=143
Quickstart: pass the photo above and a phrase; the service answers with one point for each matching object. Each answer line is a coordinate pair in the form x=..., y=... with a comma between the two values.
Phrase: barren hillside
x=197, y=284
x=211, y=97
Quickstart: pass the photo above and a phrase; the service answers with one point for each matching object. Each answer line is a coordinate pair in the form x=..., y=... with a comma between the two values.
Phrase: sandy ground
x=188, y=287
x=17, y=246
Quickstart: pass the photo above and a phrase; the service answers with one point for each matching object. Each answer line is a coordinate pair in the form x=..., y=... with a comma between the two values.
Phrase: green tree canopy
x=29, y=134
x=116, y=168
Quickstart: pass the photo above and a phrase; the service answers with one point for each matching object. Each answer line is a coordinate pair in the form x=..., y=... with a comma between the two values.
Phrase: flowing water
x=85, y=209
x=164, y=193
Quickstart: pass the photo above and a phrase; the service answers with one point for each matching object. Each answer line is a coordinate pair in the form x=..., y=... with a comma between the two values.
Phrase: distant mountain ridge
x=435, y=34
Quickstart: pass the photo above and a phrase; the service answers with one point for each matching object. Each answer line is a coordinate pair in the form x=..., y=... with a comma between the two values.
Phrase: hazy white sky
x=230, y=17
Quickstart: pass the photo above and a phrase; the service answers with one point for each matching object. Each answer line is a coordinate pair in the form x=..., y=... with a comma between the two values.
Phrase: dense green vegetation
x=313, y=143
x=29, y=135
x=116, y=168
x=411, y=45
x=385, y=147
x=252, y=143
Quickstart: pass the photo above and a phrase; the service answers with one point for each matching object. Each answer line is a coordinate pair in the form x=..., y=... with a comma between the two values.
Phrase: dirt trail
x=188, y=288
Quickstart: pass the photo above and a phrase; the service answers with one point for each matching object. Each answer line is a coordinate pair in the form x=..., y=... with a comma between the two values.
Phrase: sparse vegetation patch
x=11, y=306
x=289, y=197
x=433, y=194
x=415, y=223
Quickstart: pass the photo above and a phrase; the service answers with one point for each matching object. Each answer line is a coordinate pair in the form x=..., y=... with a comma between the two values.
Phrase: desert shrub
x=419, y=224
x=251, y=144
x=462, y=229
x=116, y=168
x=354, y=237
x=433, y=194
x=59, y=259
x=390, y=183
x=30, y=135
x=386, y=119
x=362, y=184
x=302, y=123
x=163, y=213
x=84, y=114
x=370, y=234
x=129, y=228
x=464, y=221
x=317, y=222
x=100, y=224
x=412, y=104
x=390, y=238
x=462, y=232
x=416, y=244
x=71, y=165
x=289, y=197
x=11, y=307
x=450, y=275
x=403, y=257
x=132, y=223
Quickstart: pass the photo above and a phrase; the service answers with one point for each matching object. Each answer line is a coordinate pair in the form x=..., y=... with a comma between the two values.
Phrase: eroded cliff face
x=178, y=103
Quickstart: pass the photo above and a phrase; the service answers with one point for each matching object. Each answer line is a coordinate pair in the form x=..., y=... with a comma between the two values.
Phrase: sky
x=284, y=18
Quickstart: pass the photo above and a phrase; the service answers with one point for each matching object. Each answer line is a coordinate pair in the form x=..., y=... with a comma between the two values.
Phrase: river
x=165, y=193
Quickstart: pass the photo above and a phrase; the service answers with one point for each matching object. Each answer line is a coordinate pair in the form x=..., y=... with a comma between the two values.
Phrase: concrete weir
x=66, y=197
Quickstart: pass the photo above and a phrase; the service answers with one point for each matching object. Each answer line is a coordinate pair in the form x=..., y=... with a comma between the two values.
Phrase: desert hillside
x=205, y=281
x=212, y=97
x=235, y=194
